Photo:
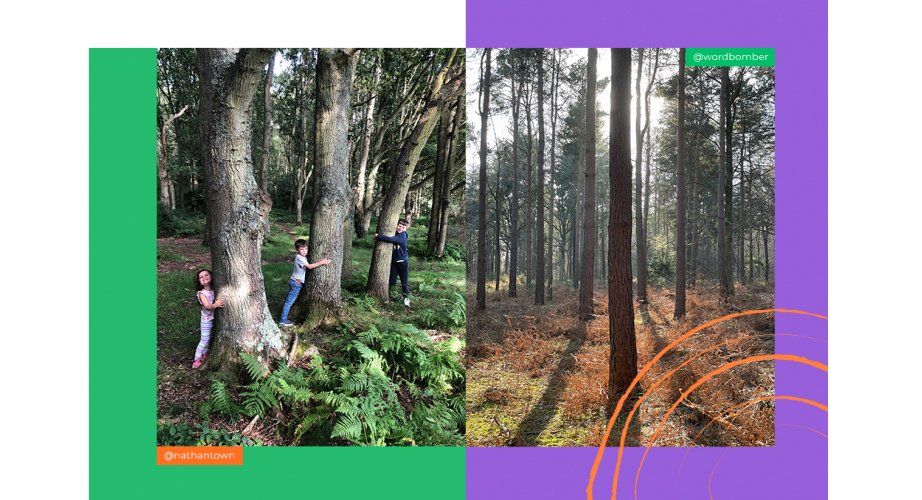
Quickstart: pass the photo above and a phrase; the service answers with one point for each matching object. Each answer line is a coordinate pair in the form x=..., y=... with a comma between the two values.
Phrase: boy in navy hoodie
x=400, y=259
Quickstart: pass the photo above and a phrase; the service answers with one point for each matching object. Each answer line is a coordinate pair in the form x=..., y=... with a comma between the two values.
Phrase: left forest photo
x=310, y=247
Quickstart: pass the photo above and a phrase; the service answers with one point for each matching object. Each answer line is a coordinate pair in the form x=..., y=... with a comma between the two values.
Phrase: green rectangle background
x=768, y=52
x=123, y=346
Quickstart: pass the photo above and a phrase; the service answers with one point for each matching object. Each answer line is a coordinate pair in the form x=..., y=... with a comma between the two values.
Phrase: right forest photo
x=620, y=212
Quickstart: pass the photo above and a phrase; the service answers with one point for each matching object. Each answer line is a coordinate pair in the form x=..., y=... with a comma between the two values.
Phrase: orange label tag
x=200, y=455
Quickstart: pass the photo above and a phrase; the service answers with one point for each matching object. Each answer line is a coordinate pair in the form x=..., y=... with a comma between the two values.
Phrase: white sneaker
x=406, y=301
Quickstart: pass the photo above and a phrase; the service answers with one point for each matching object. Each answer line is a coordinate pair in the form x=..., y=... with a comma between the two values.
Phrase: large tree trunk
x=589, y=230
x=514, y=211
x=238, y=210
x=638, y=190
x=722, y=277
x=539, y=239
x=622, y=365
x=320, y=299
x=267, y=126
x=680, y=195
x=440, y=92
x=482, y=200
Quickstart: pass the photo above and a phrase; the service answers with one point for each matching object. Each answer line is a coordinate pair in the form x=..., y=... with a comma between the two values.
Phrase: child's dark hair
x=300, y=242
x=404, y=222
x=198, y=284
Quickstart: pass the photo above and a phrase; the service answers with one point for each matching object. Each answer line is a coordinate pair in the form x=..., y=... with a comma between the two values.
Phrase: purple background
x=797, y=466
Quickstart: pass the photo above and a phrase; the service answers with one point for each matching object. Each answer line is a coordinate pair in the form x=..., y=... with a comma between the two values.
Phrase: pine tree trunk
x=432, y=237
x=622, y=367
x=482, y=205
x=550, y=225
x=362, y=195
x=680, y=194
x=638, y=190
x=238, y=210
x=320, y=298
x=722, y=278
x=539, y=239
x=589, y=230
x=445, y=198
x=529, y=193
x=514, y=212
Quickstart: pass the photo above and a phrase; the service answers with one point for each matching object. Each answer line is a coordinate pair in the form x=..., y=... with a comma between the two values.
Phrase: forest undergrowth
x=384, y=375
x=539, y=378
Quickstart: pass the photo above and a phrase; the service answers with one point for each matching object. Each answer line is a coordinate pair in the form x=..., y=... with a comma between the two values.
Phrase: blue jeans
x=293, y=289
x=401, y=270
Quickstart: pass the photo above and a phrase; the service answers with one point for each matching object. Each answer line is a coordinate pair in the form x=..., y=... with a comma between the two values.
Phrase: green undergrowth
x=385, y=375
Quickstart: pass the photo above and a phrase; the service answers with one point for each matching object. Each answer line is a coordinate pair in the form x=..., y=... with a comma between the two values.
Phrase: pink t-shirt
x=207, y=315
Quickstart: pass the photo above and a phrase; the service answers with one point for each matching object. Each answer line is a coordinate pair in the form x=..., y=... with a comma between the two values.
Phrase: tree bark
x=320, y=299
x=167, y=196
x=445, y=198
x=638, y=191
x=482, y=203
x=589, y=229
x=529, y=192
x=514, y=211
x=550, y=237
x=239, y=209
x=362, y=197
x=439, y=93
x=680, y=195
x=539, y=238
x=441, y=162
x=622, y=367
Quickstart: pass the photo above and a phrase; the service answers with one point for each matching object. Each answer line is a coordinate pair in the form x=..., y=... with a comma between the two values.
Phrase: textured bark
x=482, y=200
x=320, y=298
x=539, y=236
x=267, y=126
x=589, y=229
x=638, y=189
x=439, y=94
x=680, y=195
x=622, y=367
x=496, y=248
x=238, y=209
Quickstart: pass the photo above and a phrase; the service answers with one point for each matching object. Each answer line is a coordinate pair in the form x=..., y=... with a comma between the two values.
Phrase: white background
x=874, y=215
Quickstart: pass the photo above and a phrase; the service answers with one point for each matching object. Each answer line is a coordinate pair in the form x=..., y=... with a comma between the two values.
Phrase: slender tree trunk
x=432, y=238
x=439, y=93
x=539, y=239
x=680, y=194
x=445, y=198
x=361, y=195
x=514, y=212
x=529, y=193
x=167, y=196
x=267, y=126
x=622, y=366
x=722, y=278
x=239, y=210
x=638, y=190
x=589, y=230
x=550, y=226
x=496, y=213
x=482, y=206
x=320, y=299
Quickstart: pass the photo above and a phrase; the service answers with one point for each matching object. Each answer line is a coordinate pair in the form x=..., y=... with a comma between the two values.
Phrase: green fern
x=254, y=366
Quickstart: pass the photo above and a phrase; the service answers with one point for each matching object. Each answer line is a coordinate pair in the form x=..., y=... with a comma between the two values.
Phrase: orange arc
x=640, y=374
x=701, y=381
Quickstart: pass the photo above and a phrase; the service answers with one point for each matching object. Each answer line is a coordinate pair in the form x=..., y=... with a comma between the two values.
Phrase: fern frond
x=254, y=366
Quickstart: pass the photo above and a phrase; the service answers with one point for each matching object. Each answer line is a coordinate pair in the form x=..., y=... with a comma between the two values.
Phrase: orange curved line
x=756, y=400
x=669, y=374
x=640, y=374
x=705, y=378
x=811, y=429
x=711, y=477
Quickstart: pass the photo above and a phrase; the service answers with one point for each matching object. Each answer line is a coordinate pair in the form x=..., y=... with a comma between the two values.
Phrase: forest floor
x=182, y=391
x=537, y=377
